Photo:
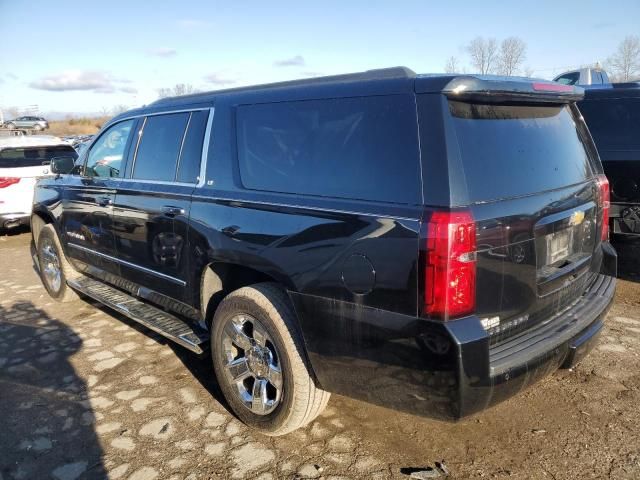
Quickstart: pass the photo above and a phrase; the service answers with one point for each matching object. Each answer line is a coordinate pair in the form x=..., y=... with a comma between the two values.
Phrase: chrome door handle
x=171, y=211
x=105, y=201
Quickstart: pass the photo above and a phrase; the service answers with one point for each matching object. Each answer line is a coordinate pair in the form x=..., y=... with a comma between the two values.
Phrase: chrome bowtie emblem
x=576, y=218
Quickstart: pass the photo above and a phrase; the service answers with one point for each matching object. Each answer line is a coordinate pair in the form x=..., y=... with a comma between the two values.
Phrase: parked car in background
x=364, y=234
x=23, y=160
x=81, y=147
x=613, y=117
x=30, y=123
x=75, y=140
x=584, y=77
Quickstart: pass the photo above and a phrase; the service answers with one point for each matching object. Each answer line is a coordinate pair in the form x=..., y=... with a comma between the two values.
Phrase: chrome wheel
x=252, y=364
x=51, y=269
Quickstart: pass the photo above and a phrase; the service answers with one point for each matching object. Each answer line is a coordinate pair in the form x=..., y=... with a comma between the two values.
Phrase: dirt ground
x=85, y=393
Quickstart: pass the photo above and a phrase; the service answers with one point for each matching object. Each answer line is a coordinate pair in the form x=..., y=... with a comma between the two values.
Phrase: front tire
x=54, y=267
x=260, y=363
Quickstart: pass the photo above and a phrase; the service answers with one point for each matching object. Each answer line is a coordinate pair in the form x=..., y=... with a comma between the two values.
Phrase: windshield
x=515, y=150
x=33, y=156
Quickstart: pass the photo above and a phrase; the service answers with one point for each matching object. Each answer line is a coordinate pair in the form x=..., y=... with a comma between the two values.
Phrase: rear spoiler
x=495, y=89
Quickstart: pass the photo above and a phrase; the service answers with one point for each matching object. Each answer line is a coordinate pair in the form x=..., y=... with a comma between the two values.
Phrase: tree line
x=488, y=56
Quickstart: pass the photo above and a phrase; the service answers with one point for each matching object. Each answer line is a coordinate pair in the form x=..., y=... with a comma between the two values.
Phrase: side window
x=596, y=78
x=105, y=157
x=159, y=147
x=569, y=78
x=189, y=164
x=363, y=148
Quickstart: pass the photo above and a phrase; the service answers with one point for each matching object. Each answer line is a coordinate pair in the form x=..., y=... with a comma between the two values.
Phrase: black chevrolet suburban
x=613, y=117
x=429, y=243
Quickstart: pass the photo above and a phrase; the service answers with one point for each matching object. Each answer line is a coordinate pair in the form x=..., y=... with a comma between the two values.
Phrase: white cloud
x=297, y=61
x=217, y=79
x=97, y=81
x=162, y=52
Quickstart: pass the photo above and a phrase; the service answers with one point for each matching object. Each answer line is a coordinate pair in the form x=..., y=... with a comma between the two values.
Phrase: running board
x=167, y=325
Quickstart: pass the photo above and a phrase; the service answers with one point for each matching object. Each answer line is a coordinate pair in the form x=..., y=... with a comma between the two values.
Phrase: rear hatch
x=20, y=168
x=521, y=162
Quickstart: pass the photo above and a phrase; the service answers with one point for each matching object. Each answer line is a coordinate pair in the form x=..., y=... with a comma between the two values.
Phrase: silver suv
x=34, y=123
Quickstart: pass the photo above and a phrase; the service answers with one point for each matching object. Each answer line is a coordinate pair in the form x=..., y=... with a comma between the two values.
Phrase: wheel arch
x=38, y=220
x=218, y=279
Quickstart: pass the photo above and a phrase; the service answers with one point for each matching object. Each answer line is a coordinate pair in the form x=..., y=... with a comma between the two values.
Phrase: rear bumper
x=14, y=219
x=523, y=360
x=443, y=370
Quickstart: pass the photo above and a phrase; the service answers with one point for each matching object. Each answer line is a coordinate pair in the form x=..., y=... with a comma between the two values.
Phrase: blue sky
x=68, y=56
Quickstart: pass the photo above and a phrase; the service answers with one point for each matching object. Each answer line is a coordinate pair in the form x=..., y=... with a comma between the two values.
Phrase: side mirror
x=62, y=165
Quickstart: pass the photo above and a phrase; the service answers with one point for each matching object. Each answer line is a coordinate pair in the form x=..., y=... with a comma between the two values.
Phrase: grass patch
x=76, y=126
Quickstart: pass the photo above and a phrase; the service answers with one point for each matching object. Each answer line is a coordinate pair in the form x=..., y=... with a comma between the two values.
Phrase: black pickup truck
x=613, y=116
x=430, y=243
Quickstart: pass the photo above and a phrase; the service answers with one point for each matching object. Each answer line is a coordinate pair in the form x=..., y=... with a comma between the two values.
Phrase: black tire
x=11, y=126
x=301, y=399
x=50, y=256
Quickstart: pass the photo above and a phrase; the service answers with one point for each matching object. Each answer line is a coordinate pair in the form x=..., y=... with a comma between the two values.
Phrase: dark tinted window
x=509, y=151
x=33, y=156
x=569, y=78
x=360, y=148
x=614, y=123
x=189, y=168
x=159, y=147
x=105, y=157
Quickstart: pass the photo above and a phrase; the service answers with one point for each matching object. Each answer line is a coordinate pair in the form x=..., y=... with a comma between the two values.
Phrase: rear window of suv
x=363, y=148
x=33, y=156
x=514, y=150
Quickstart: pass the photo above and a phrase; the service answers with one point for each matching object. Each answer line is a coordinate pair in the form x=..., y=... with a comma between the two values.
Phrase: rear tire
x=54, y=268
x=272, y=387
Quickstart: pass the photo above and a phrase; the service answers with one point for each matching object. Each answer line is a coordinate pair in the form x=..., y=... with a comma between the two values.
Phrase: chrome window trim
x=156, y=182
x=184, y=136
x=153, y=114
x=135, y=152
x=129, y=264
x=205, y=150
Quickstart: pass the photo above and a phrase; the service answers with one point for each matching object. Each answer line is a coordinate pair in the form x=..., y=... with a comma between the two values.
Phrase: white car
x=23, y=160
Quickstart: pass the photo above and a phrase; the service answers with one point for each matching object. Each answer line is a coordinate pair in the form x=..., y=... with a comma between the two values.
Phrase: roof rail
x=376, y=74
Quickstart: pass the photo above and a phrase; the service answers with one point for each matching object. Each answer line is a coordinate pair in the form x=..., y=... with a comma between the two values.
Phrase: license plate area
x=565, y=242
x=558, y=246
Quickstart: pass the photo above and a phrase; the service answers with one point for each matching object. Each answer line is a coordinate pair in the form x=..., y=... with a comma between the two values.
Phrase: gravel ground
x=85, y=393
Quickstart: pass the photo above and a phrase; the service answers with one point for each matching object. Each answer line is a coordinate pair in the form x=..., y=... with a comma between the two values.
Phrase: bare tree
x=513, y=52
x=625, y=62
x=118, y=109
x=177, y=90
x=484, y=54
x=12, y=112
x=452, y=65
